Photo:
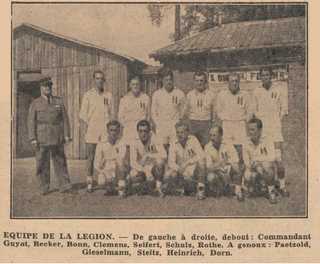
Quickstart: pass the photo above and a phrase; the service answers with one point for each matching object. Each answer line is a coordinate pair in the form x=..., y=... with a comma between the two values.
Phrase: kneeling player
x=109, y=161
x=186, y=162
x=222, y=162
x=259, y=157
x=147, y=157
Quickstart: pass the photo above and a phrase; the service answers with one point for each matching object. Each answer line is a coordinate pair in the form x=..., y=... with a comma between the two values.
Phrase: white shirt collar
x=203, y=92
x=46, y=97
x=165, y=90
x=177, y=141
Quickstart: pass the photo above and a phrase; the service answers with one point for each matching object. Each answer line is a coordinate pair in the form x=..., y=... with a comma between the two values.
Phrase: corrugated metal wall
x=71, y=68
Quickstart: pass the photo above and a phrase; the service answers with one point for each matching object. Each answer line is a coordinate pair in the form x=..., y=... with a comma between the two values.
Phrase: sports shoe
x=44, y=192
x=240, y=196
x=108, y=191
x=89, y=188
x=180, y=191
x=200, y=195
x=272, y=197
x=284, y=192
x=159, y=192
x=122, y=194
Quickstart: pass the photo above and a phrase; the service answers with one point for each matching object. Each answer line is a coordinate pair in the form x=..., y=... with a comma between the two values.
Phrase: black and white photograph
x=156, y=110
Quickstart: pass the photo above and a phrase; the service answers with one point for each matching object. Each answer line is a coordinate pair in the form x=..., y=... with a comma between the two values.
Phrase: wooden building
x=70, y=63
x=151, y=79
x=245, y=47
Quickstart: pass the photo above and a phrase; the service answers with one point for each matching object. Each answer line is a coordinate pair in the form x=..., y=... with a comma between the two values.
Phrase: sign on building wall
x=249, y=79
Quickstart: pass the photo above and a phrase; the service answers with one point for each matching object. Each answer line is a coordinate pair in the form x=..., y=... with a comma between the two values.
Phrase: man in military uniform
x=49, y=130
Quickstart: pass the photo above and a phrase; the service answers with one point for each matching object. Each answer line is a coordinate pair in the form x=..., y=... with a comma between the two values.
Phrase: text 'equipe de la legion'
x=169, y=245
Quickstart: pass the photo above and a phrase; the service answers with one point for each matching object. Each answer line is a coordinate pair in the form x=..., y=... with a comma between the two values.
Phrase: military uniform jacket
x=48, y=123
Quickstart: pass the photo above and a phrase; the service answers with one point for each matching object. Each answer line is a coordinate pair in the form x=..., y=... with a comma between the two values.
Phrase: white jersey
x=96, y=110
x=271, y=106
x=226, y=153
x=167, y=107
x=234, y=107
x=146, y=155
x=166, y=110
x=234, y=110
x=132, y=109
x=200, y=105
x=178, y=155
x=263, y=151
x=107, y=153
x=108, y=156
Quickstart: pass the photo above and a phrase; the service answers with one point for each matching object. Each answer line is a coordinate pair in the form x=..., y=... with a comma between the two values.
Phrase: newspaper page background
x=58, y=238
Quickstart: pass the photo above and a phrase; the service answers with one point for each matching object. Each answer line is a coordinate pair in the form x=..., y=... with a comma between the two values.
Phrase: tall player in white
x=167, y=108
x=271, y=107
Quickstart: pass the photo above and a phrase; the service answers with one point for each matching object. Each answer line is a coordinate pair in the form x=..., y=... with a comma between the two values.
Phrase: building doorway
x=27, y=91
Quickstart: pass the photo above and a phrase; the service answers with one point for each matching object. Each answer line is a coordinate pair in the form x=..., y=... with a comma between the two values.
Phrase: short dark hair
x=144, y=122
x=200, y=73
x=135, y=77
x=98, y=71
x=257, y=121
x=46, y=81
x=113, y=123
x=164, y=72
x=268, y=69
x=233, y=74
x=182, y=123
x=220, y=129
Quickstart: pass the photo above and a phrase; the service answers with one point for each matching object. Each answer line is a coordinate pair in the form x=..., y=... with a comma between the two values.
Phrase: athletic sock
x=158, y=184
x=270, y=188
x=282, y=184
x=237, y=189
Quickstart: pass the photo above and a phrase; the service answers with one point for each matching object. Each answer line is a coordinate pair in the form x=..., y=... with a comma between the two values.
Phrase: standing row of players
x=231, y=112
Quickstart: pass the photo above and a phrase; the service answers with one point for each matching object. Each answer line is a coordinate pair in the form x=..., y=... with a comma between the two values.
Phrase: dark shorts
x=200, y=129
x=91, y=151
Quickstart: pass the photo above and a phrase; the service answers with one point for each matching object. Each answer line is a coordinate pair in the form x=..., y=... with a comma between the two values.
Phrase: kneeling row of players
x=184, y=168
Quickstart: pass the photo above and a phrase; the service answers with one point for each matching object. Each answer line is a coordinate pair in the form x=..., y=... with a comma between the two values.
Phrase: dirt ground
x=26, y=201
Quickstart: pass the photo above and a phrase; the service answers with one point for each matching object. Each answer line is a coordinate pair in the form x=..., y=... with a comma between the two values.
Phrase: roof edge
x=155, y=54
x=77, y=41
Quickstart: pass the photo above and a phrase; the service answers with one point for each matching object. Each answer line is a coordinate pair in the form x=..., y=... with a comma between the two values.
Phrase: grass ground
x=26, y=201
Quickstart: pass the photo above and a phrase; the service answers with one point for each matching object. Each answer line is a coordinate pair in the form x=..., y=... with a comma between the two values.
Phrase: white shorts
x=130, y=134
x=234, y=132
x=166, y=132
x=146, y=169
x=95, y=135
x=187, y=174
x=107, y=173
x=225, y=173
x=272, y=128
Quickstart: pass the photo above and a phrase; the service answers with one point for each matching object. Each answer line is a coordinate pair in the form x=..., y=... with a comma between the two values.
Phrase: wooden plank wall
x=71, y=68
x=14, y=95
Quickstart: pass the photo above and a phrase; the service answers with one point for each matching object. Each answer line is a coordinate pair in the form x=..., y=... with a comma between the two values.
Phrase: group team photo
x=218, y=124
